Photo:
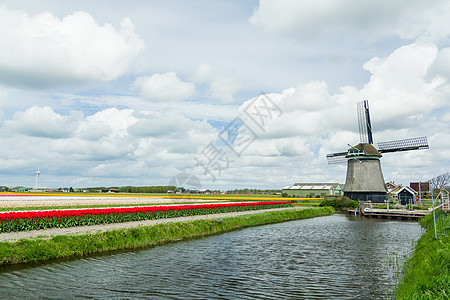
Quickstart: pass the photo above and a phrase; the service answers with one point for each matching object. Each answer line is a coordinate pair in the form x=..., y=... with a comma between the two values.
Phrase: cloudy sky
x=237, y=93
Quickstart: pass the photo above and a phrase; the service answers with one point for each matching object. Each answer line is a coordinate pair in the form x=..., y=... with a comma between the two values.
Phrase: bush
x=328, y=202
x=353, y=204
x=340, y=202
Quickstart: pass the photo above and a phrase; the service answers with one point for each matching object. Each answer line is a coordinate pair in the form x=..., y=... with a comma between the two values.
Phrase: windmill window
x=355, y=152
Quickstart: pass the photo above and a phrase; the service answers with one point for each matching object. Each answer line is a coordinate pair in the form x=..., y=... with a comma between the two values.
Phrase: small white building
x=405, y=194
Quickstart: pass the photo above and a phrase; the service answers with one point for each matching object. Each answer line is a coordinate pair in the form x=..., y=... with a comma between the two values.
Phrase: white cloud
x=112, y=142
x=165, y=124
x=399, y=82
x=204, y=73
x=364, y=19
x=117, y=120
x=42, y=122
x=446, y=118
x=441, y=65
x=109, y=123
x=3, y=97
x=312, y=96
x=293, y=146
x=222, y=87
x=164, y=87
x=44, y=50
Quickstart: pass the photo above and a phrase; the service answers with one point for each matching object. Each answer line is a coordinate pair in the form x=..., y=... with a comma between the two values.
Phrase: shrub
x=340, y=202
x=328, y=202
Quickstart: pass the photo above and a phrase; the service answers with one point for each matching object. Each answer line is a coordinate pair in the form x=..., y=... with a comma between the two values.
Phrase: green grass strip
x=427, y=272
x=63, y=246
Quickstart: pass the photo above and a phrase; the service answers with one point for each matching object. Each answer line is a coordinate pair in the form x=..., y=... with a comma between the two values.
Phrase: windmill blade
x=365, y=127
x=336, y=158
x=417, y=143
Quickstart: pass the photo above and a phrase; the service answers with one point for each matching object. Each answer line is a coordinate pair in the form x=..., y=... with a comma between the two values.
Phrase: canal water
x=333, y=257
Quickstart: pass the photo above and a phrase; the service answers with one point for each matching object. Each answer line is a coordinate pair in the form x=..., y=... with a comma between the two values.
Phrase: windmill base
x=367, y=196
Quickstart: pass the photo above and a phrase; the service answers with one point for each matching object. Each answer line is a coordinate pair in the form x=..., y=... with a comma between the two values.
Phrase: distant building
x=312, y=190
x=405, y=194
x=3, y=188
x=39, y=190
x=390, y=186
x=424, y=186
x=20, y=189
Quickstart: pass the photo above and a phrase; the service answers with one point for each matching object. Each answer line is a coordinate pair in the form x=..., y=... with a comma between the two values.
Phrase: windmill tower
x=37, y=179
x=365, y=181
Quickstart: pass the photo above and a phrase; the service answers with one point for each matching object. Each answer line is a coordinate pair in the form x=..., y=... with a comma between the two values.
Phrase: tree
x=440, y=181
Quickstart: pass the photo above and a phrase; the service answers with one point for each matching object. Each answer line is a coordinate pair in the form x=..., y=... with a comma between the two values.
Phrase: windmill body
x=365, y=181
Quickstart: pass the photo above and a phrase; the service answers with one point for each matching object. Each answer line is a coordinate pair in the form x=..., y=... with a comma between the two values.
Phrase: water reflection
x=341, y=257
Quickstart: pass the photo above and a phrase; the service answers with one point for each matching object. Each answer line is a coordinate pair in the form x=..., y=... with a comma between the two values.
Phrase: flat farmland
x=86, y=201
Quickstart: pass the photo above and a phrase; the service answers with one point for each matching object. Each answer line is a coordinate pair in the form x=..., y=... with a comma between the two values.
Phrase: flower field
x=33, y=220
x=233, y=197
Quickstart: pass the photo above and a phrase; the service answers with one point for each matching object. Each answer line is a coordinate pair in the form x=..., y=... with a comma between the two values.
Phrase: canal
x=338, y=256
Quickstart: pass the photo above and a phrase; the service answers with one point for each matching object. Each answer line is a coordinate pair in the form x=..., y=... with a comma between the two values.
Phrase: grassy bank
x=427, y=273
x=25, y=251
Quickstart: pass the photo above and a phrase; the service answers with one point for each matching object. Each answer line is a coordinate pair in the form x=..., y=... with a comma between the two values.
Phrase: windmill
x=365, y=181
x=37, y=178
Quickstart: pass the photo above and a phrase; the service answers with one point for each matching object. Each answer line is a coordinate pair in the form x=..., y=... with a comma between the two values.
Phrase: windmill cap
x=369, y=150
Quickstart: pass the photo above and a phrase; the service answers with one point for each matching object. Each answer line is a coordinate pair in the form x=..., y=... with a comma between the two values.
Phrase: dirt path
x=14, y=236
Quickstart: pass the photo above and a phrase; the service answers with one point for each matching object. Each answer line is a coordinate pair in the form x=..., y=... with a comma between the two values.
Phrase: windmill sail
x=365, y=128
x=336, y=158
x=417, y=143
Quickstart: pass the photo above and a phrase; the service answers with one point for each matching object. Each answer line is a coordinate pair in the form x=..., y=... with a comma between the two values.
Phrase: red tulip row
x=31, y=220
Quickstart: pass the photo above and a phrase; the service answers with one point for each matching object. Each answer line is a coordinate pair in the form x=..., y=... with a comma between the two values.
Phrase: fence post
x=434, y=214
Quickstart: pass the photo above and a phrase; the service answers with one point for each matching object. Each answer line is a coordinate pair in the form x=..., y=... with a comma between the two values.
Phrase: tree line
x=147, y=189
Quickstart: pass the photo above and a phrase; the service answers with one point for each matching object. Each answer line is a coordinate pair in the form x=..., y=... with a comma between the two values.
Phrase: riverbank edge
x=426, y=275
x=67, y=246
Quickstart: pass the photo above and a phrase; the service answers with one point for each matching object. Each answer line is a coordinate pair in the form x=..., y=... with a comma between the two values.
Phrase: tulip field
x=35, y=220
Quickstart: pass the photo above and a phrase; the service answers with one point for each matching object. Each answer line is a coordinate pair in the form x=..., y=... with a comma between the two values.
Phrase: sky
x=231, y=93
